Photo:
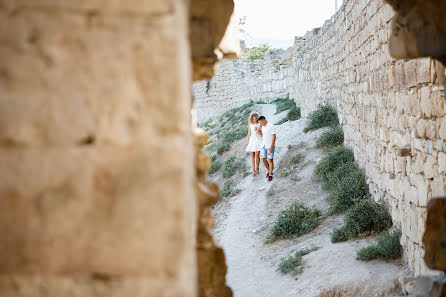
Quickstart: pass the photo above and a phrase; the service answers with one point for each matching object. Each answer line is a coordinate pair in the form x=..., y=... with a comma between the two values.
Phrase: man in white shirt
x=268, y=133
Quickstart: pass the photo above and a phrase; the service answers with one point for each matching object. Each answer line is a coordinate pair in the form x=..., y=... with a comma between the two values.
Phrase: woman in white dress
x=254, y=141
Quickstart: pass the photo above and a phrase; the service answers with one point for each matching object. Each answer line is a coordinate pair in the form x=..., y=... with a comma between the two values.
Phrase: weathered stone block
x=426, y=104
x=442, y=131
x=442, y=163
x=423, y=70
x=435, y=234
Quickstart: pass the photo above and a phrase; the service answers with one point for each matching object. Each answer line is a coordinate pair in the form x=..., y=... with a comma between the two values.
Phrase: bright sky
x=278, y=21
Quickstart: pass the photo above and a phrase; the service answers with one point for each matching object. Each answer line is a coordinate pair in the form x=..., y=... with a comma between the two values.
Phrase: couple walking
x=261, y=143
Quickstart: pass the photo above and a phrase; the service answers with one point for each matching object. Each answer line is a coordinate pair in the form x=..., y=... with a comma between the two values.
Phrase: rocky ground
x=243, y=222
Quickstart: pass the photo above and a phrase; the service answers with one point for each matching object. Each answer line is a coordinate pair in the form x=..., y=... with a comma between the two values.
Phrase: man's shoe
x=270, y=178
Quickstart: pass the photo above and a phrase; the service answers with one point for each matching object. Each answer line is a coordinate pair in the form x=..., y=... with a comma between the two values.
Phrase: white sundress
x=255, y=141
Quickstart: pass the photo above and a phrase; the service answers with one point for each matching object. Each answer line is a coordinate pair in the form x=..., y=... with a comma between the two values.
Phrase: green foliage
x=226, y=190
x=231, y=165
x=331, y=138
x=284, y=104
x=222, y=147
x=332, y=160
x=284, y=174
x=257, y=53
x=293, y=264
x=296, y=159
x=287, y=104
x=235, y=192
x=348, y=186
x=387, y=248
x=270, y=192
x=213, y=157
x=293, y=115
x=228, y=128
x=364, y=218
x=206, y=125
x=324, y=116
x=295, y=178
x=215, y=166
x=235, y=134
x=294, y=222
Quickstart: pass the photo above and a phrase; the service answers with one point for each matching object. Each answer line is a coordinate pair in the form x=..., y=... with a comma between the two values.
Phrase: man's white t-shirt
x=268, y=131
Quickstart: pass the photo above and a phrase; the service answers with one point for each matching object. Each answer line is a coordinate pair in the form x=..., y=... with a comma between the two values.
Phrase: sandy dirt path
x=244, y=221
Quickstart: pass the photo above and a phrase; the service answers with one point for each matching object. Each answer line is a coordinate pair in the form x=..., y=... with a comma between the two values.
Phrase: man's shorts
x=264, y=153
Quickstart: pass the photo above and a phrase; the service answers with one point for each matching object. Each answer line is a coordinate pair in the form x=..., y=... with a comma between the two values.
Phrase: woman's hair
x=253, y=114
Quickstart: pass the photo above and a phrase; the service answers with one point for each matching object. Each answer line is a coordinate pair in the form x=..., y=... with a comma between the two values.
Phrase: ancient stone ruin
x=103, y=188
x=384, y=104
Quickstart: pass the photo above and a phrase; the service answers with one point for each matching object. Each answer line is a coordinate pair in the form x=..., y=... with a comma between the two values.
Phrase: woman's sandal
x=254, y=173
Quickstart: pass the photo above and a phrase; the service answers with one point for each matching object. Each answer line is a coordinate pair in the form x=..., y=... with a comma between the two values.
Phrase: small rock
x=429, y=287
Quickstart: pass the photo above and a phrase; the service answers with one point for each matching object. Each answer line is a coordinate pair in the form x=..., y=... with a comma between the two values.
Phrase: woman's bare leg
x=253, y=162
x=257, y=161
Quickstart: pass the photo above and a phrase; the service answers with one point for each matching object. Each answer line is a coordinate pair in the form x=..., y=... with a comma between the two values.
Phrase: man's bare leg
x=271, y=166
x=265, y=162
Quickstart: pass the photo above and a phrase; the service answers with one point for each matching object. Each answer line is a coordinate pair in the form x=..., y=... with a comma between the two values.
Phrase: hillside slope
x=244, y=220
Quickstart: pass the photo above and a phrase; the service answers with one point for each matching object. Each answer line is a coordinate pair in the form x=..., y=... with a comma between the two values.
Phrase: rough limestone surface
x=384, y=104
x=97, y=188
x=238, y=82
x=211, y=258
x=434, y=238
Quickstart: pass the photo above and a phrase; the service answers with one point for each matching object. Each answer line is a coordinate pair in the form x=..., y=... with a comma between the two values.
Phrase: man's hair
x=262, y=118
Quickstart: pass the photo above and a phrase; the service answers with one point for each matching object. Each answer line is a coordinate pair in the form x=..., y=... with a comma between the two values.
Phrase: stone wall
x=383, y=104
x=238, y=82
x=98, y=176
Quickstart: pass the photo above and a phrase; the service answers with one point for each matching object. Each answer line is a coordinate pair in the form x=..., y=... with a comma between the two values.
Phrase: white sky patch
x=276, y=22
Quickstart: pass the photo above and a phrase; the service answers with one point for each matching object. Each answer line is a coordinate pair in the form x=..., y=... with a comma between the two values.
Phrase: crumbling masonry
x=384, y=104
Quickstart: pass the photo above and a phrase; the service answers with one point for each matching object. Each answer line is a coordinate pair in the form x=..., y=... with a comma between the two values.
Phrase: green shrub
x=284, y=104
x=332, y=160
x=235, y=192
x=335, y=177
x=295, y=178
x=294, y=222
x=257, y=53
x=226, y=190
x=296, y=159
x=331, y=138
x=222, y=147
x=284, y=174
x=206, y=125
x=293, y=115
x=350, y=188
x=387, y=248
x=235, y=134
x=364, y=218
x=293, y=264
x=270, y=192
x=213, y=157
x=231, y=166
x=324, y=116
x=215, y=166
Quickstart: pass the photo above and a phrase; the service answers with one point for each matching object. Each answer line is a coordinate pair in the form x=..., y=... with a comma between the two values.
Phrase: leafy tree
x=257, y=53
